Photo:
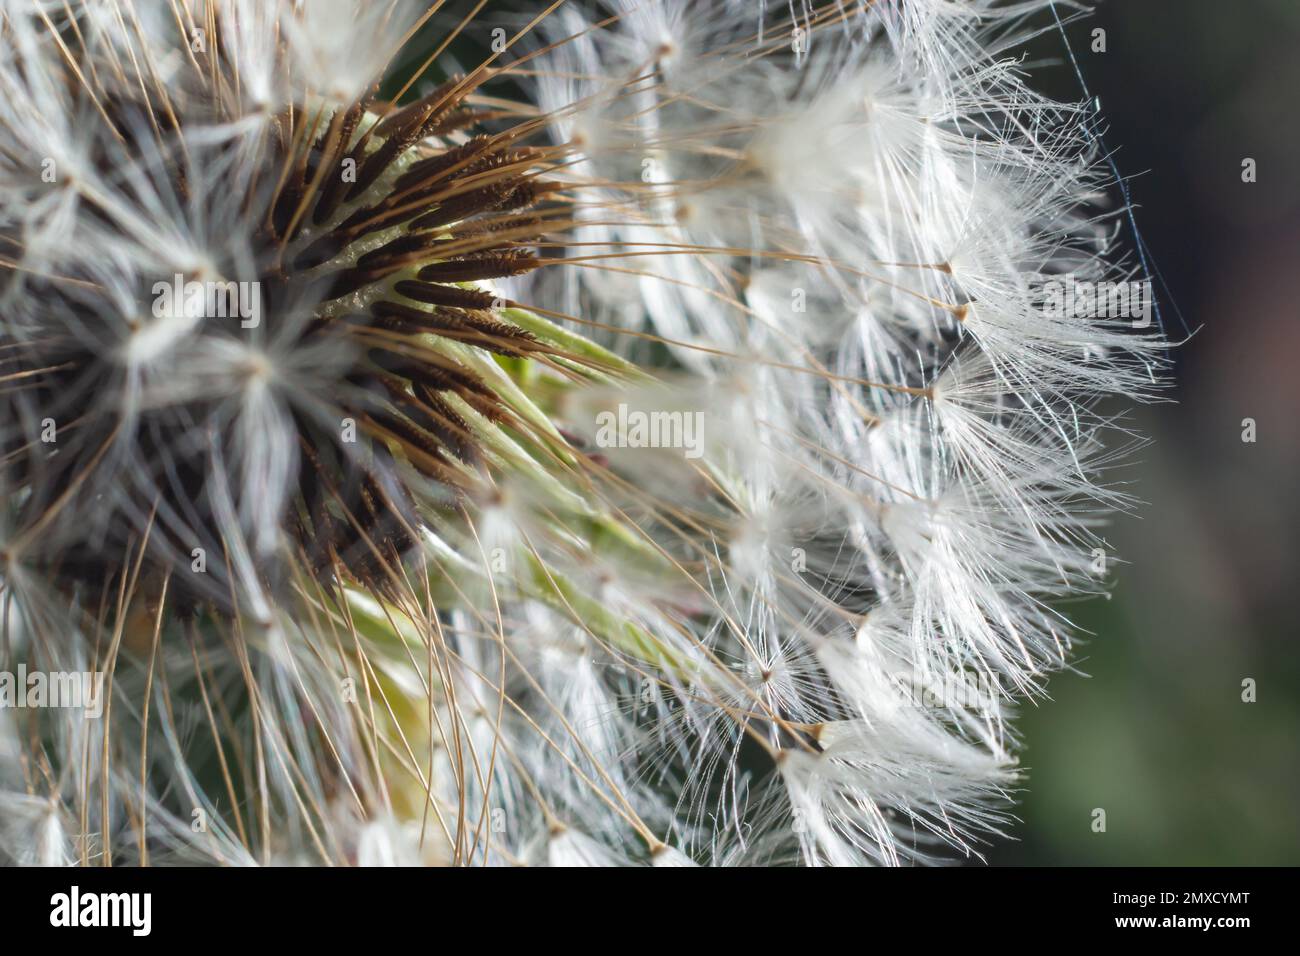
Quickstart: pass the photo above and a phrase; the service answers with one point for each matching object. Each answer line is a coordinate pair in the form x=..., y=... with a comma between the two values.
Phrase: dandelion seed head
x=579, y=457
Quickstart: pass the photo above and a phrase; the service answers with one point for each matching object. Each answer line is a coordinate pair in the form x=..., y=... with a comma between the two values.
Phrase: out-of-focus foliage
x=1158, y=734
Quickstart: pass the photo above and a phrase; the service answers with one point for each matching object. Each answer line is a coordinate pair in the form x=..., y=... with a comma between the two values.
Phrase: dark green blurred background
x=1157, y=734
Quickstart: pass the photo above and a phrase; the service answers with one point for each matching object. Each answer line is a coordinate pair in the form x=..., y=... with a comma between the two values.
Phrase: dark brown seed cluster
x=123, y=496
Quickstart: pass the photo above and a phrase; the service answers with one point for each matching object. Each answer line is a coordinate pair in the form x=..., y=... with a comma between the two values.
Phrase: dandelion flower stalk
x=610, y=451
